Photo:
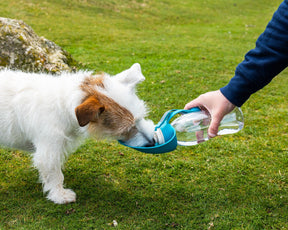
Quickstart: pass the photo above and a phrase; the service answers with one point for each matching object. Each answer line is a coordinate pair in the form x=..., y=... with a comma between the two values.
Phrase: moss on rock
x=21, y=48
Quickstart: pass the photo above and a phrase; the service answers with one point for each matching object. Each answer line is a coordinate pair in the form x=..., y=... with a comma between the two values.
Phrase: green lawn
x=185, y=48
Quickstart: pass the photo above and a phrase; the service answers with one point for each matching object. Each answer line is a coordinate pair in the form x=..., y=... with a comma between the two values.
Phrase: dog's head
x=111, y=108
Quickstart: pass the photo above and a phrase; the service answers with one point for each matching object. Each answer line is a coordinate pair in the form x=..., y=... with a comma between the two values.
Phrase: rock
x=21, y=48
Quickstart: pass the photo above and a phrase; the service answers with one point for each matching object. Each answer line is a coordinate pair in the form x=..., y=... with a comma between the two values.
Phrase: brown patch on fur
x=91, y=82
x=89, y=110
x=114, y=120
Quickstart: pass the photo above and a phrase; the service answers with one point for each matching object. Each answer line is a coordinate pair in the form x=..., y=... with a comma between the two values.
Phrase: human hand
x=217, y=106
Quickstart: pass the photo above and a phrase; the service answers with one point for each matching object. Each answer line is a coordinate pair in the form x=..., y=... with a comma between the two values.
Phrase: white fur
x=37, y=114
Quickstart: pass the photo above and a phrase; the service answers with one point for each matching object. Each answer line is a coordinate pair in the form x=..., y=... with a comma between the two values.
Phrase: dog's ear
x=88, y=111
x=131, y=77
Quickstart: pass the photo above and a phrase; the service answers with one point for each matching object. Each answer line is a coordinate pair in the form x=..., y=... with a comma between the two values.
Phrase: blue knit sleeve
x=264, y=62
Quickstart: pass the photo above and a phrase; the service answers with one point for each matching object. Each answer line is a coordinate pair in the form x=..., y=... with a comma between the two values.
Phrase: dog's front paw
x=62, y=196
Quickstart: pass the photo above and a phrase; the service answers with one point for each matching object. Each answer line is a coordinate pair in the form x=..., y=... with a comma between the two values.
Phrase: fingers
x=192, y=104
x=198, y=102
x=216, y=104
x=213, y=128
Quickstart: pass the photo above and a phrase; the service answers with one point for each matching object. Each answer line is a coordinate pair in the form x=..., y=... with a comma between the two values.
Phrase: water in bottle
x=192, y=128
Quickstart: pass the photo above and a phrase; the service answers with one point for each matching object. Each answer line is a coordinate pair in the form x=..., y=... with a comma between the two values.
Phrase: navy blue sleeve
x=264, y=62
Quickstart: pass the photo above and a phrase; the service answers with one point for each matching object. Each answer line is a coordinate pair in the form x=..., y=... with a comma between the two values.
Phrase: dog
x=50, y=116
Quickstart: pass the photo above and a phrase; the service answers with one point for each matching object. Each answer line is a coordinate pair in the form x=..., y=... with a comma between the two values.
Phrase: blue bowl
x=170, y=144
x=168, y=132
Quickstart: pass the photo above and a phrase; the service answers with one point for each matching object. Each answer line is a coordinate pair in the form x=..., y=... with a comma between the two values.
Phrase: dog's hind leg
x=48, y=162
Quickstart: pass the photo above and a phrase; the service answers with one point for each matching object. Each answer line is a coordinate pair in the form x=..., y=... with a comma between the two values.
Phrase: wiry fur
x=50, y=115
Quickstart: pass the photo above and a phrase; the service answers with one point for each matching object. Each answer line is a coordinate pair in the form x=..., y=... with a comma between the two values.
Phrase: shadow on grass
x=149, y=193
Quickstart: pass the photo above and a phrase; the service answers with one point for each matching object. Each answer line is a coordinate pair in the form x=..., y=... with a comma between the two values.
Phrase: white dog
x=49, y=115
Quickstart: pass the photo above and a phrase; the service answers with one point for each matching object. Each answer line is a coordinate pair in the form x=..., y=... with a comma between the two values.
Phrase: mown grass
x=185, y=48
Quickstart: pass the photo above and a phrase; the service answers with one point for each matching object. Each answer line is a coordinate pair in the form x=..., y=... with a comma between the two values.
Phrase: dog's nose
x=151, y=143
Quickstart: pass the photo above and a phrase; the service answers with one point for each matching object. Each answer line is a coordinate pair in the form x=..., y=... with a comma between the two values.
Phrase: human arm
x=261, y=65
x=264, y=62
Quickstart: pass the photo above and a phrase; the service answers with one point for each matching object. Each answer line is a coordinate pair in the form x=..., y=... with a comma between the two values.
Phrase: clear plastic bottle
x=192, y=128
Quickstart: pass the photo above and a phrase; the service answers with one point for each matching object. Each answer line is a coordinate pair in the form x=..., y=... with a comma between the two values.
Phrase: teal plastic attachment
x=167, y=133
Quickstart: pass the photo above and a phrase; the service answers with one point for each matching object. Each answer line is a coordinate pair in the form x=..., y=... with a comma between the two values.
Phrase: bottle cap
x=158, y=137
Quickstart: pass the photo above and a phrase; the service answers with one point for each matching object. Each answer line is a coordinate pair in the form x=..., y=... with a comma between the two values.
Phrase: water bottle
x=192, y=128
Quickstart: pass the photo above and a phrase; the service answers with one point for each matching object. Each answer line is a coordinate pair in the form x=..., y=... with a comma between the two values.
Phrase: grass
x=185, y=48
